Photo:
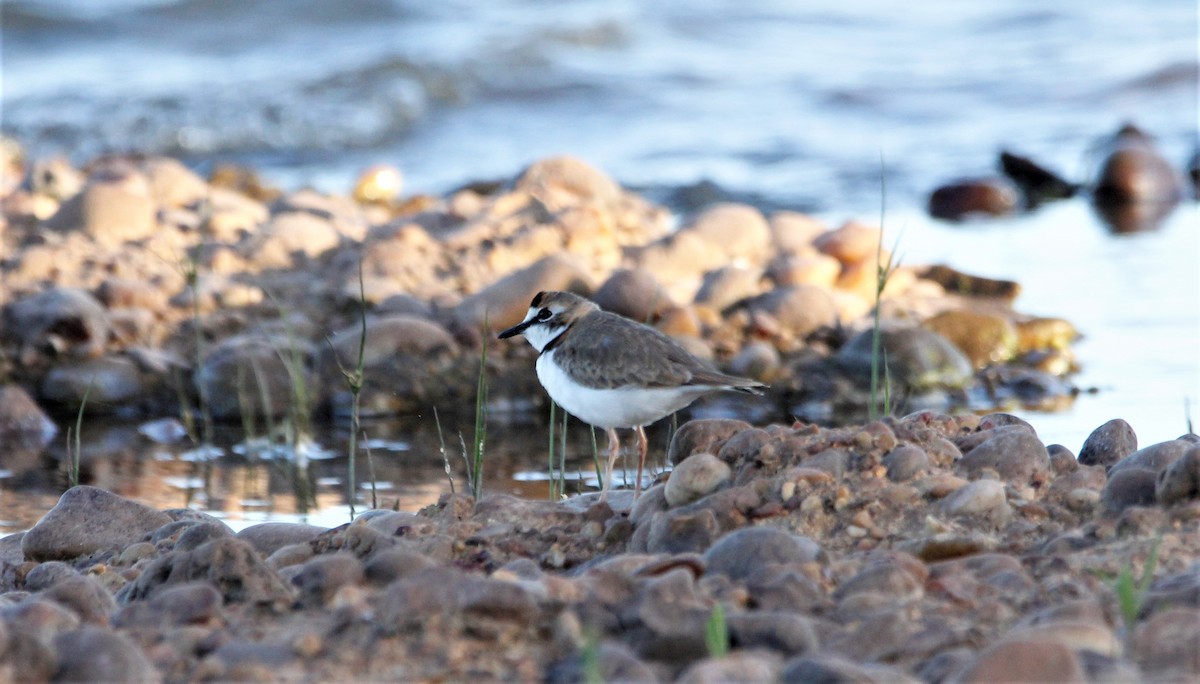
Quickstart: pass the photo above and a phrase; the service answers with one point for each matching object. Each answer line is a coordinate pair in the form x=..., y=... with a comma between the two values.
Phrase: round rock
x=743, y=552
x=1108, y=444
x=695, y=478
x=86, y=520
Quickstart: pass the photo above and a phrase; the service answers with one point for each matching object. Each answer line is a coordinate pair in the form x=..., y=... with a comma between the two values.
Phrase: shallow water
x=782, y=104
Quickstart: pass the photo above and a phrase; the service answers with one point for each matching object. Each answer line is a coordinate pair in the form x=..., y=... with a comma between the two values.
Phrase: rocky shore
x=930, y=547
x=153, y=292
x=926, y=548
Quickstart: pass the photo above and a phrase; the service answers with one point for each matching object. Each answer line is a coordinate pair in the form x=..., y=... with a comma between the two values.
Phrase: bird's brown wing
x=608, y=353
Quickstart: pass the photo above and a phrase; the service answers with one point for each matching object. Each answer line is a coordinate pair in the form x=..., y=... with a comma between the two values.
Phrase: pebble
x=986, y=339
x=58, y=321
x=115, y=206
x=231, y=565
x=320, y=578
x=983, y=498
x=1014, y=453
x=738, y=230
x=742, y=553
x=1164, y=645
x=734, y=667
x=1108, y=444
x=23, y=424
x=831, y=668
x=905, y=462
x=793, y=232
x=974, y=196
x=694, y=478
x=86, y=520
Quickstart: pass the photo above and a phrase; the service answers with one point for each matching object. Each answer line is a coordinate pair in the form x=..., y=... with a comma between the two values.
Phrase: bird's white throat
x=541, y=334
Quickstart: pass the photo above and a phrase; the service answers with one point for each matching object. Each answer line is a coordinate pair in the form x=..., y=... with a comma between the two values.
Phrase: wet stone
x=1108, y=444
x=87, y=520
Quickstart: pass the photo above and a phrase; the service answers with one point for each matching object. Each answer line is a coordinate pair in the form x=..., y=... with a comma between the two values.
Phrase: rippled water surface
x=783, y=104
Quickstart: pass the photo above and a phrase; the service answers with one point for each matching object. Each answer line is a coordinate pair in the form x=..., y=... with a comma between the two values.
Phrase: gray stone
x=1108, y=444
x=86, y=520
x=743, y=552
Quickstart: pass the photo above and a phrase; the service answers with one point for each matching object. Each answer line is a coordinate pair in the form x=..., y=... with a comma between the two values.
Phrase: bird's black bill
x=516, y=329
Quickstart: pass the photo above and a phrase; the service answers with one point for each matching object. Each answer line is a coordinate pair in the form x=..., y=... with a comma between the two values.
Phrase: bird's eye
x=544, y=314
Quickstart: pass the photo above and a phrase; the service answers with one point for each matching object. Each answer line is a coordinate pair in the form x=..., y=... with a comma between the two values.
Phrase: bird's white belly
x=609, y=408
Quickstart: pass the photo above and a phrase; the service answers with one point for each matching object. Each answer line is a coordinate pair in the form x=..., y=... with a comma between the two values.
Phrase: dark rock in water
x=957, y=282
x=57, y=322
x=1180, y=481
x=408, y=363
x=635, y=294
x=87, y=520
x=92, y=654
x=1135, y=188
x=23, y=424
x=1108, y=444
x=986, y=339
x=917, y=359
x=267, y=538
x=112, y=384
x=85, y=597
x=706, y=435
x=1127, y=487
x=1038, y=183
x=976, y=196
x=249, y=376
x=229, y=564
x=741, y=553
x=1135, y=171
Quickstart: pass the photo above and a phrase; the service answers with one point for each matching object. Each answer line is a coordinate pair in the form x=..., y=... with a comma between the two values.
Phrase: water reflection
x=402, y=464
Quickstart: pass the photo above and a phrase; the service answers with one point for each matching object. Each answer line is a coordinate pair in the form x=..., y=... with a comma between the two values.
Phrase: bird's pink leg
x=614, y=449
x=643, y=447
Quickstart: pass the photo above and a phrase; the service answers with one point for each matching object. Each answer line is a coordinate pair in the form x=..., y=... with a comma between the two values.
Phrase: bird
x=613, y=372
